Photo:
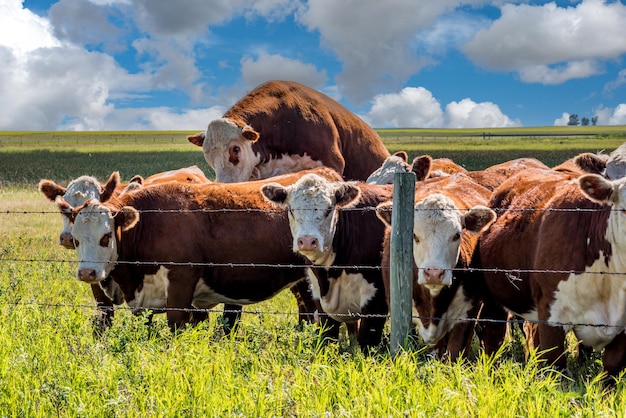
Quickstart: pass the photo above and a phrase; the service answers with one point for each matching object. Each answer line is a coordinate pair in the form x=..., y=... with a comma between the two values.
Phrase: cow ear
x=110, y=186
x=136, y=179
x=591, y=163
x=197, y=139
x=274, y=193
x=403, y=155
x=250, y=134
x=66, y=209
x=421, y=167
x=347, y=194
x=478, y=218
x=50, y=189
x=596, y=187
x=383, y=211
x=126, y=218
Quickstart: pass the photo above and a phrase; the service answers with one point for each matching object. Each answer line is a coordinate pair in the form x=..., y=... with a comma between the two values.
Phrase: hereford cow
x=283, y=126
x=449, y=213
x=555, y=256
x=78, y=191
x=493, y=176
x=182, y=244
x=334, y=227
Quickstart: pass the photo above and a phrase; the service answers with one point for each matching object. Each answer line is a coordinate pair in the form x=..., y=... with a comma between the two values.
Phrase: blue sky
x=164, y=64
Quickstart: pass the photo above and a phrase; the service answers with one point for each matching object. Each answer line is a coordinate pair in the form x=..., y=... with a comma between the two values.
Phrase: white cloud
x=372, y=39
x=619, y=116
x=276, y=67
x=23, y=31
x=545, y=74
x=412, y=107
x=469, y=114
x=536, y=39
x=415, y=107
x=615, y=84
x=160, y=118
x=563, y=120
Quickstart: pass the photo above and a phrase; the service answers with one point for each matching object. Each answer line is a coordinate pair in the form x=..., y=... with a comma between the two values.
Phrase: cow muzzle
x=435, y=277
x=66, y=240
x=88, y=275
x=308, y=243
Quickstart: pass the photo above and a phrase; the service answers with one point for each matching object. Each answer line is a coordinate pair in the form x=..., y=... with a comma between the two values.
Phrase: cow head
x=312, y=204
x=94, y=232
x=227, y=148
x=77, y=193
x=397, y=163
x=438, y=225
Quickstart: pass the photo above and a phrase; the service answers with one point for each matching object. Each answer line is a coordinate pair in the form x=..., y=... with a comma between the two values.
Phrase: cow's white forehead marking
x=92, y=223
x=437, y=209
x=82, y=189
x=385, y=173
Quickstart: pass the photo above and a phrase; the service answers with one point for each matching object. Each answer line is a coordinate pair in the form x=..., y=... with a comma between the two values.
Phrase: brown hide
x=465, y=193
x=540, y=243
x=208, y=223
x=292, y=118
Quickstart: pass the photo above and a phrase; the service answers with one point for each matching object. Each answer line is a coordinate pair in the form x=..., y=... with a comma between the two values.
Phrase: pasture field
x=52, y=364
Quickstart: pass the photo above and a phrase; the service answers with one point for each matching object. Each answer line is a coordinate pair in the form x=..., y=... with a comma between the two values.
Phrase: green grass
x=51, y=364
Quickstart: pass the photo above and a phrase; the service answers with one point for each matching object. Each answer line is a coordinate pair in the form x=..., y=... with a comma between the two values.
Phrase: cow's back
x=296, y=119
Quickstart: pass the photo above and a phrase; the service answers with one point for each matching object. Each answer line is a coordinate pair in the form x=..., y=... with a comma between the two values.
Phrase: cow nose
x=87, y=275
x=434, y=276
x=307, y=243
x=66, y=240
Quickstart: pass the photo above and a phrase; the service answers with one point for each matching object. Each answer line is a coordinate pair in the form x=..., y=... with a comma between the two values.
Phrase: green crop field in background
x=26, y=157
x=52, y=364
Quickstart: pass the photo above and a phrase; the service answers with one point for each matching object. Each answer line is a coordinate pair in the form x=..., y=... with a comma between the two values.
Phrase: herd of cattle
x=302, y=199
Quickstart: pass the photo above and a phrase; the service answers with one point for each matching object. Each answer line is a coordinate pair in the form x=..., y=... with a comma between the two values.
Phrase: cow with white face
x=448, y=215
x=333, y=229
x=282, y=127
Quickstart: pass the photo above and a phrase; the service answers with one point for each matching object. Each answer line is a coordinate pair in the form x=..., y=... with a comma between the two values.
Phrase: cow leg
x=179, y=297
x=231, y=317
x=104, y=316
x=492, y=331
x=199, y=315
x=370, y=332
x=531, y=334
x=552, y=345
x=460, y=340
x=305, y=301
x=614, y=360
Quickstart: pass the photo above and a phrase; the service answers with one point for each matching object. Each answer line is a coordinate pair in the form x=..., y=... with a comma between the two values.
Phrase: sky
x=102, y=65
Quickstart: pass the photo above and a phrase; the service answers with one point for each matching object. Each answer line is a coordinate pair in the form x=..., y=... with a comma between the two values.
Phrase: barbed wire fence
x=511, y=273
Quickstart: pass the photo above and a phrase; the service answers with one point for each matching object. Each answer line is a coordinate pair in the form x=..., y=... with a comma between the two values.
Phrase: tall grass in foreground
x=51, y=364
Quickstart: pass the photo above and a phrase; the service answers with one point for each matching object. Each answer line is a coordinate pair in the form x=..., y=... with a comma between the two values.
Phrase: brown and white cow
x=555, y=256
x=107, y=293
x=449, y=213
x=493, y=176
x=284, y=126
x=184, y=242
x=333, y=225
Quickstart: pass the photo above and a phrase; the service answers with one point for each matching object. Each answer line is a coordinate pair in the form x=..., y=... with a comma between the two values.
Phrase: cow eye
x=236, y=150
x=456, y=237
x=104, y=241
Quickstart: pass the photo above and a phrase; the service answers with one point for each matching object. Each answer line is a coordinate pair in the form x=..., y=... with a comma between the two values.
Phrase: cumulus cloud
x=412, y=107
x=469, y=114
x=276, y=67
x=372, y=39
x=417, y=108
x=551, y=44
x=563, y=120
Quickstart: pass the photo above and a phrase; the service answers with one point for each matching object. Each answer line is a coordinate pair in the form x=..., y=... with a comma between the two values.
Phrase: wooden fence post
x=401, y=263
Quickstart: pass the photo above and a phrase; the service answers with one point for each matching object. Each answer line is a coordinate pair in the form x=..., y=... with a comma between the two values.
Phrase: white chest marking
x=459, y=308
x=153, y=294
x=347, y=294
x=591, y=298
